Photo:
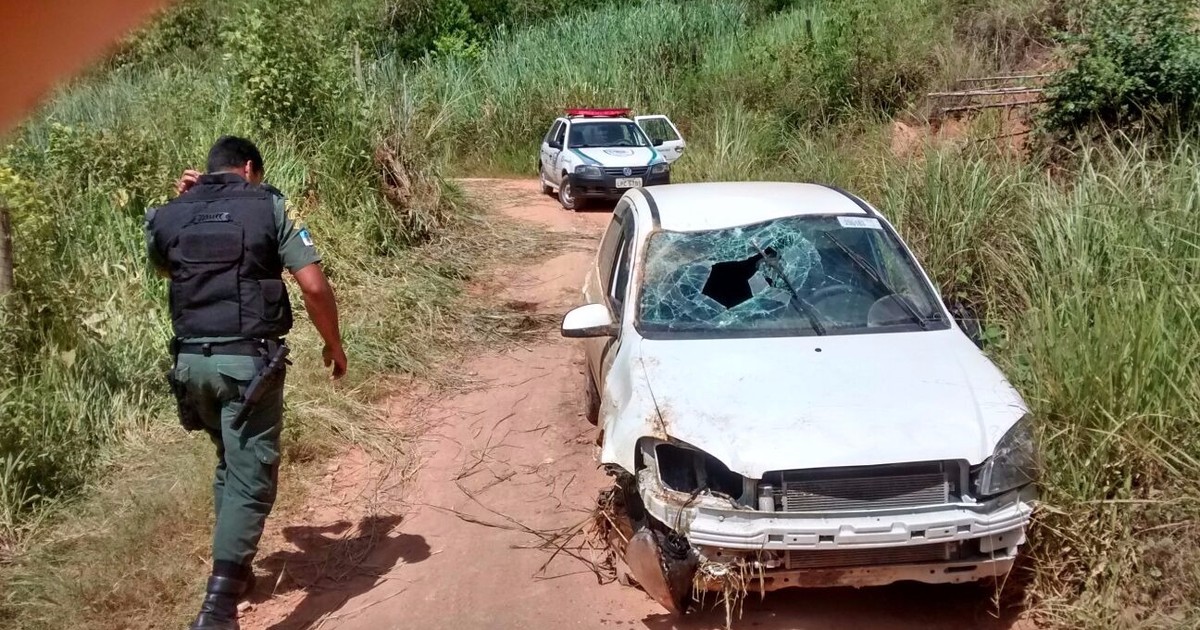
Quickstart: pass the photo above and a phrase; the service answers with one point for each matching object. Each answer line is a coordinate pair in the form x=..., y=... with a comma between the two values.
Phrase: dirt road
x=507, y=456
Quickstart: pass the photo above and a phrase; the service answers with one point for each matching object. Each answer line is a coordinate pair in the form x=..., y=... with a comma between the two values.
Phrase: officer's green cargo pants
x=247, y=458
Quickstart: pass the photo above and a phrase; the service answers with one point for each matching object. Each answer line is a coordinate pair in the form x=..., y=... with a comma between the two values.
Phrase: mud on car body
x=595, y=154
x=783, y=395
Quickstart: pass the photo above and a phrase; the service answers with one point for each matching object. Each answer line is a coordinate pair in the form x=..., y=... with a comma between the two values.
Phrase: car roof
x=714, y=206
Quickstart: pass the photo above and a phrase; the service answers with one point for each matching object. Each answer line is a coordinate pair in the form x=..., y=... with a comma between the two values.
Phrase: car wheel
x=592, y=411
x=566, y=195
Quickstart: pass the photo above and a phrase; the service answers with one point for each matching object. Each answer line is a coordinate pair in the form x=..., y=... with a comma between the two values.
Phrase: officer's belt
x=240, y=347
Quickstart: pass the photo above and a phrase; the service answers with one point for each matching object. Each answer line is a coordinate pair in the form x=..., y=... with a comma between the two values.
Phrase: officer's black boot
x=219, y=610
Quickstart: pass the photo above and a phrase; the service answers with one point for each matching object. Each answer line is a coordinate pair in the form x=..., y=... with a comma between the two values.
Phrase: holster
x=189, y=419
x=275, y=364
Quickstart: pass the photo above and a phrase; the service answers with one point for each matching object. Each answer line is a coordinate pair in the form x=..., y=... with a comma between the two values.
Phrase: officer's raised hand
x=186, y=181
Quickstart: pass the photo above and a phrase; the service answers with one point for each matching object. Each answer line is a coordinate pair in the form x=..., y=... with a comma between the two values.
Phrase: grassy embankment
x=1086, y=276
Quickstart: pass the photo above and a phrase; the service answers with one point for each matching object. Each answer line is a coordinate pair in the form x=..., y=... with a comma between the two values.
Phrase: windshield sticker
x=860, y=222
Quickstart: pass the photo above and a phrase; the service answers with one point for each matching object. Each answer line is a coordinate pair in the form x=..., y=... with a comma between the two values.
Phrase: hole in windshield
x=729, y=282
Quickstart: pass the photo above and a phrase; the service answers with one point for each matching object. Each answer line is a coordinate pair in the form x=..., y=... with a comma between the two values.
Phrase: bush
x=1135, y=64
x=288, y=67
x=124, y=163
x=826, y=64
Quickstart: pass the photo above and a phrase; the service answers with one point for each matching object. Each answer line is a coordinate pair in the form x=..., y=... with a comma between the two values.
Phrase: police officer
x=224, y=242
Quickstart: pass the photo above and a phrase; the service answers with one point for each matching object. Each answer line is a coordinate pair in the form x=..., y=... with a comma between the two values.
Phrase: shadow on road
x=898, y=607
x=334, y=563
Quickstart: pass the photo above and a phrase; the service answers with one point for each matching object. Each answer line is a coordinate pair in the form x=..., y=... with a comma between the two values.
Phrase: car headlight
x=1013, y=464
x=589, y=170
x=661, y=167
x=686, y=469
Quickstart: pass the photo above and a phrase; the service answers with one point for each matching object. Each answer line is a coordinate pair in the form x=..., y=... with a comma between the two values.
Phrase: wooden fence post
x=6, y=253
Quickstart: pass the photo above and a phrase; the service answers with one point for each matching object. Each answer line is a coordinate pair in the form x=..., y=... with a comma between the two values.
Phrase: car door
x=549, y=154
x=608, y=283
x=544, y=150
x=659, y=127
x=557, y=146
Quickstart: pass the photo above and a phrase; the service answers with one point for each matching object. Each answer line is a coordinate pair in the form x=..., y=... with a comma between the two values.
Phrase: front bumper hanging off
x=959, y=542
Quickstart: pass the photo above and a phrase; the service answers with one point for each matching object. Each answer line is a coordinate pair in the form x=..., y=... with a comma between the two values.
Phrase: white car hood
x=762, y=405
x=621, y=156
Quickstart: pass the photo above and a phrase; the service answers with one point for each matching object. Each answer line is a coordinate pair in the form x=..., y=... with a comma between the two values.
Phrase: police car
x=601, y=153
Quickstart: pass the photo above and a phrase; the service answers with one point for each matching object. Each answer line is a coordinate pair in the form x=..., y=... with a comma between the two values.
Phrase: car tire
x=592, y=408
x=566, y=195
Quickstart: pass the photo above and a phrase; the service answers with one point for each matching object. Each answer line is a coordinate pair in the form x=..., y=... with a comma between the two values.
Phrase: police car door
x=557, y=146
x=549, y=154
x=659, y=127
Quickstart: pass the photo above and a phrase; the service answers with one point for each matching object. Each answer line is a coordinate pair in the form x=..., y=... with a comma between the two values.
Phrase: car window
x=621, y=271
x=606, y=259
x=850, y=274
x=607, y=134
x=561, y=133
x=552, y=132
x=660, y=129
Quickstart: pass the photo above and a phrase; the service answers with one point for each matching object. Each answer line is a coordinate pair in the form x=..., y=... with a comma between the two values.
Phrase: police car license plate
x=629, y=182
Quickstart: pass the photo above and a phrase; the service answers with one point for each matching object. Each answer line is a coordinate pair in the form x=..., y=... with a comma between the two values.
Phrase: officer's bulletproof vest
x=222, y=248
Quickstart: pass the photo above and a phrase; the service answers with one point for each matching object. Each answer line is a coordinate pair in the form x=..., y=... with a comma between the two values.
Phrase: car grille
x=834, y=558
x=868, y=488
x=619, y=171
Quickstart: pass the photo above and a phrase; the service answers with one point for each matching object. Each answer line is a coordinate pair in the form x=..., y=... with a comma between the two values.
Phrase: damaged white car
x=786, y=401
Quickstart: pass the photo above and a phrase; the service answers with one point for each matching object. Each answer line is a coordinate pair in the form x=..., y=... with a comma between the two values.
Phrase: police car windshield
x=606, y=134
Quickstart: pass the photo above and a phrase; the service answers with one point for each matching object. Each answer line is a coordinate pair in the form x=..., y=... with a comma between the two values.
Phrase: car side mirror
x=658, y=142
x=968, y=321
x=591, y=320
x=554, y=144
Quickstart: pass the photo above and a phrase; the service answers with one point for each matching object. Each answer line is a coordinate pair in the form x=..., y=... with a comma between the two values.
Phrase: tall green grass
x=82, y=337
x=699, y=62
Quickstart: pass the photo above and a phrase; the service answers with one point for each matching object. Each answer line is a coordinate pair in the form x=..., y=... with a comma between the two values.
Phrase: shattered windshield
x=800, y=275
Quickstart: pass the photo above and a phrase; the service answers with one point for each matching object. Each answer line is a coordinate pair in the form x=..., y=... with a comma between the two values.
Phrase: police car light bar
x=585, y=112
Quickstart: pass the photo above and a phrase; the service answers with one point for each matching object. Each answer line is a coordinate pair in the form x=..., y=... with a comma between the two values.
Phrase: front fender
x=628, y=411
x=567, y=161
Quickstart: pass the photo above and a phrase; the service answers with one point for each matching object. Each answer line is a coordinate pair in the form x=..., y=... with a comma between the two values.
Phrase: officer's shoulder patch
x=305, y=237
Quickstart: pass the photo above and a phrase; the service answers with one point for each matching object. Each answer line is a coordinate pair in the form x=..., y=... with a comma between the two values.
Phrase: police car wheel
x=566, y=196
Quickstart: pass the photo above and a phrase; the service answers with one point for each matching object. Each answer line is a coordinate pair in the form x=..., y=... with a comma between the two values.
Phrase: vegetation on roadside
x=1084, y=267
x=1133, y=65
